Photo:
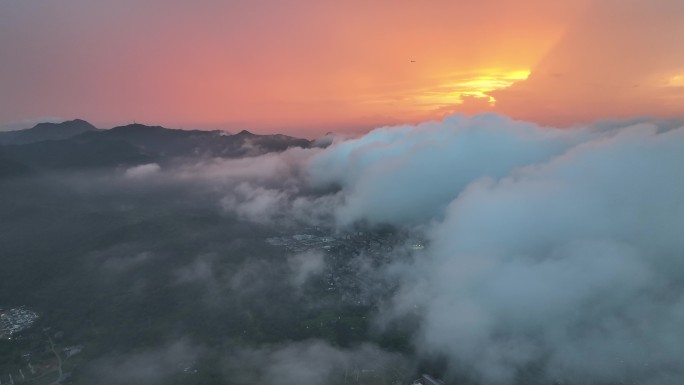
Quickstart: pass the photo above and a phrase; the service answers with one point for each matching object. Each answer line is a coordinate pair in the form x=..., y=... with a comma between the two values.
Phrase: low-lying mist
x=545, y=256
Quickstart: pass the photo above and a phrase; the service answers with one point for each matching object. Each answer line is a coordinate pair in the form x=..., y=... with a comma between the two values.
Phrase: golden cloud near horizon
x=477, y=84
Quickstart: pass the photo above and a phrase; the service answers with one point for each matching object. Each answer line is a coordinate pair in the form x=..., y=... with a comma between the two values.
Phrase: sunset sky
x=308, y=66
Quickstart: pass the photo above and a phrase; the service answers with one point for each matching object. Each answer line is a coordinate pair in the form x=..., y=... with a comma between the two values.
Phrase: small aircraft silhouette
x=413, y=61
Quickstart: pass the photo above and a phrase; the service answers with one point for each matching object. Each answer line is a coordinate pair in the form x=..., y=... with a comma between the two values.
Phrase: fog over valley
x=473, y=250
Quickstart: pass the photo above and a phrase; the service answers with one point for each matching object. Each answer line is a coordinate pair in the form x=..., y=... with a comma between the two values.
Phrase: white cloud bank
x=554, y=254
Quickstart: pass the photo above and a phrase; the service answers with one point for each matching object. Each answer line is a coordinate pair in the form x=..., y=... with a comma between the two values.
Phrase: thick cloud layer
x=410, y=174
x=553, y=254
x=549, y=255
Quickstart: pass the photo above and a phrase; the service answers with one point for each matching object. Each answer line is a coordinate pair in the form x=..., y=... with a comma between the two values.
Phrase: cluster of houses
x=15, y=320
x=302, y=242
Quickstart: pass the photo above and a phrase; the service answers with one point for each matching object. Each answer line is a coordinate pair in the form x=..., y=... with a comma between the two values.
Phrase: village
x=15, y=320
x=42, y=359
x=350, y=258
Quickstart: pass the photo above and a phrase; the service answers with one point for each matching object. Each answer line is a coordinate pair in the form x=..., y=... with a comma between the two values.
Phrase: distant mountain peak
x=75, y=125
x=137, y=127
x=47, y=131
x=134, y=125
x=245, y=133
x=77, y=121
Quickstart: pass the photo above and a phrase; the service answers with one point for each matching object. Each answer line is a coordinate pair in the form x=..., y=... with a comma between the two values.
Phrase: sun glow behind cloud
x=676, y=81
x=477, y=85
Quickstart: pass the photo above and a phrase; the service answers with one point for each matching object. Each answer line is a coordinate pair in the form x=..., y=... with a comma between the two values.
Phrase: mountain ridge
x=46, y=131
x=78, y=145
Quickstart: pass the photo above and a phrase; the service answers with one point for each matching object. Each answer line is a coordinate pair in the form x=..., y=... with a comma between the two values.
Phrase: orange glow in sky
x=309, y=66
x=476, y=85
